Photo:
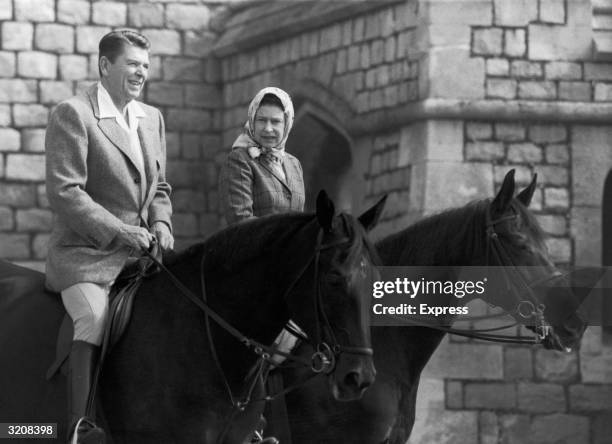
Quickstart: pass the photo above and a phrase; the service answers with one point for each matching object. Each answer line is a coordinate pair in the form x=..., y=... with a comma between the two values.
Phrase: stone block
x=603, y=92
x=591, y=161
x=435, y=424
x=559, y=42
x=498, y=67
x=7, y=222
x=73, y=12
x=88, y=38
x=526, y=69
x=142, y=15
x=489, y=428
x=510, y=132
x=431, y=140
x=555, y=225
x=514, y=12
x=557, y=154
x=25, y=167
x=563, y=71
x=189, y=201
x=14, y=246
x=364, y=56
x=43, y=201
x=552, y=11
x=553, y=175
x=585, y=226
x=478, y=131
x=109, y=13
x=6, y=9
x=441, y=67
x=73, y=67
x=33, y=140
x=559, y=429
x=515, y=43
x=187, y=16
x=53, y=92
x=188, y=119
x=34, y=219
x=484, y=151
x=36, y=64
x=30, y=115
x=576, y=91
x=8, y=65
x=602, y=428
x=598, y=71
x=17, y=35
x=491, y=395
x=17, y=195
x=518, y=363
x=475, y=13
x=40, y=245
x=354, y=58
x=11, y=139
x=390, y=49
x=553, y=366
x=454, y=394
x=501, y=88
x=589, y=398
x=466, y=361
x=331, y=37
x=559, y=250
x=556, y=198
x=547, y=133
x=524, y=153
x=537, y=90
x=487, y=42
x=185, y=224
x=209, y=223
x=377, y=52
x=5, y=112
x=182, y=68
x=165, y=93
x=199, y=43
x=541, y=398
x=35, y=10
x=191, y=146
x=54, y=37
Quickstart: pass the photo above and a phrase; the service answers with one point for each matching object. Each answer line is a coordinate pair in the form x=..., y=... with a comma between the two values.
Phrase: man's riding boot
x=83, y=360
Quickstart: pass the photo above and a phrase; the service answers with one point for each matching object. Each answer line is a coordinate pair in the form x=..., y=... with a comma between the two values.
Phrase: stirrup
x=258, y=438
x=90, y=433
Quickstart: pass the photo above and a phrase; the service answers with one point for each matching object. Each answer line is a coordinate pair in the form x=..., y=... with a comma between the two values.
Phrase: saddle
x=121, y=301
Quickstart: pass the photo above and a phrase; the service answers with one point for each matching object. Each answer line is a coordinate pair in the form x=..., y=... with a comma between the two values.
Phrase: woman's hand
x=162, y=232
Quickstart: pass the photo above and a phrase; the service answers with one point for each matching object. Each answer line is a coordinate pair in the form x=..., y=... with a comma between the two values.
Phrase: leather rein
x=323, y=359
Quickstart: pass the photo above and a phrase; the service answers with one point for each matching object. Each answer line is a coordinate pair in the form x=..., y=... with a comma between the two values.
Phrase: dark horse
x=497, y=232
x=162, y=382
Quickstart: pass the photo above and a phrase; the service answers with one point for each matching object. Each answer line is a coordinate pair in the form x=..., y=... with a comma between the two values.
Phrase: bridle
x=323, y=360
x=527, y=305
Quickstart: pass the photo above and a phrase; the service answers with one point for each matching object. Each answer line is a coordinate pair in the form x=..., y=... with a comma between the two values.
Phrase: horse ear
x=369, y=219
x=504, y=197
x=325, y=210
x=525, y=196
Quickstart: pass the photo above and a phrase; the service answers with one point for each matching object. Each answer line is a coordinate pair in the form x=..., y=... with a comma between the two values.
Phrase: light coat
x=94, y=187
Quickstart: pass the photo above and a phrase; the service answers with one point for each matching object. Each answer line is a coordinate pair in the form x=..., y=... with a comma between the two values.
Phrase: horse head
x=337, y=321
x=542, y=298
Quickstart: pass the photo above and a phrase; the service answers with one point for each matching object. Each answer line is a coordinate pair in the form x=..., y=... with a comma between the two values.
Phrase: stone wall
x=49, y=52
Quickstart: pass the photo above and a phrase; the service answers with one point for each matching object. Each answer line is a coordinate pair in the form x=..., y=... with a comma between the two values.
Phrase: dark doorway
x=606, y=252
x=325, y=155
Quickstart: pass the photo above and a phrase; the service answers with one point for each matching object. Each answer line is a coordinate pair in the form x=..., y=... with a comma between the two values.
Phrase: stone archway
x=325, y=153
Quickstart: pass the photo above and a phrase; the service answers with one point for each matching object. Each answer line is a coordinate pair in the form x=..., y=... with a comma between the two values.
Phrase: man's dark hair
x=271, y=99
x=112, y=44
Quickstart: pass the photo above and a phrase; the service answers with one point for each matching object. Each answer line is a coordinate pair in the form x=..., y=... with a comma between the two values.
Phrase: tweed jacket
x=95, y=187
x=250, y=187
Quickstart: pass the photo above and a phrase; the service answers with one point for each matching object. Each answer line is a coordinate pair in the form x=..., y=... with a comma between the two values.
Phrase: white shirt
x=134, y=111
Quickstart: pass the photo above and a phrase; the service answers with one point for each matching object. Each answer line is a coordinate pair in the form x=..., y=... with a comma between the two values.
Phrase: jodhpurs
x=87, y=305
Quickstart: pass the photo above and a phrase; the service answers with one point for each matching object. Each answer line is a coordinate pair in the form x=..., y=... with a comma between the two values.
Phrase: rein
x=323, y=359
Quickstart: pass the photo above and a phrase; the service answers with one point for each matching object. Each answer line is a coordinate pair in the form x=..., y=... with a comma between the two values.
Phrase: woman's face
x=269, y=126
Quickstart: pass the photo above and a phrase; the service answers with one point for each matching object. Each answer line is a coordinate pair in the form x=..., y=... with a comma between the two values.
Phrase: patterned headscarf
x=246, y=138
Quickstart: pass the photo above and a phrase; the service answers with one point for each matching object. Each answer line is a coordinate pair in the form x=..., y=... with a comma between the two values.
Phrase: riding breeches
x=87, y=305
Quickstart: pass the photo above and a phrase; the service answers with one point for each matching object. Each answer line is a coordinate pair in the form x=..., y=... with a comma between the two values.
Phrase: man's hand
x=164, y=237
x=135, y=237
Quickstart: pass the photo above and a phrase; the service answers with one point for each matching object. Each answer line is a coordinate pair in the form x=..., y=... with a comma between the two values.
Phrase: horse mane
x=451, y=235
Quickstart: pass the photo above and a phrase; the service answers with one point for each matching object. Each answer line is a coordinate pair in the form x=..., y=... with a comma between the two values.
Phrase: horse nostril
x=354, y=380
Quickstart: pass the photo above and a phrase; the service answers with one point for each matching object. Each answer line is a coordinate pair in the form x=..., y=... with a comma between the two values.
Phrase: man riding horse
x=106, y=162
